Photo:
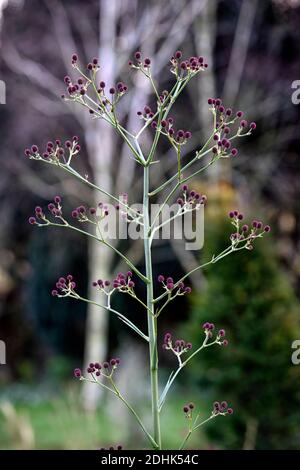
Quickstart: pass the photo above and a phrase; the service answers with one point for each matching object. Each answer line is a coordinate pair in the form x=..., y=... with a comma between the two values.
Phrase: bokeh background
x=252, y=48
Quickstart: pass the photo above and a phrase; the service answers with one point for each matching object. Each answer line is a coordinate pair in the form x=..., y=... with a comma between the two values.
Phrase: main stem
x=152, y=321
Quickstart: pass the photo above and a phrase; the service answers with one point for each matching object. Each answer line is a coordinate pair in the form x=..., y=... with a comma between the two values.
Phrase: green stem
x=117, y=392
x=152, y=321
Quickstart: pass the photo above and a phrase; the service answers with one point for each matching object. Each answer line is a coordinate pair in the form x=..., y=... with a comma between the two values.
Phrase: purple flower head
x=77, y=373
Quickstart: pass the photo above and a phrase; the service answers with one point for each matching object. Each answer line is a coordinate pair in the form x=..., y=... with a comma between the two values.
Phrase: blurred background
x=252, y=48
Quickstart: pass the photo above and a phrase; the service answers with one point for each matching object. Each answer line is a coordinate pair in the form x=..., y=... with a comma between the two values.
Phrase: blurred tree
x=252, y=297
x=34, y=69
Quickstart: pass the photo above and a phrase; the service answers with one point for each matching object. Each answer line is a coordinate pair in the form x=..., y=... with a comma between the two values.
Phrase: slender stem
x=152, y=321
x=112, y=310
x=193, y=429
x=119, y=395
x=115, y=391
x=213, y=260
x=101, y=240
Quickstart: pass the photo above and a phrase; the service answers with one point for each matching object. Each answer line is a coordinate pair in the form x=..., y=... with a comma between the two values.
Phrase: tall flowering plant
x=101, y=102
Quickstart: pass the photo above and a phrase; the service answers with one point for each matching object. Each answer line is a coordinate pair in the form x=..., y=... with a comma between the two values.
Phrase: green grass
x=57, y=421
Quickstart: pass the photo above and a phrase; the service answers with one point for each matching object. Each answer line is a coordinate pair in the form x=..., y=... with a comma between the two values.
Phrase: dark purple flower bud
x=253, y=126
x=105, y=365
x=228, y=112
x=54, y=292
x=245, y=228
x=183, y=66
x=32, y=220
x=180, y=201
x=112, y=90
x=239, y=114
x=218, y=102
x=147, y=61
x=221, y=333
x=89, y=66
x=170, y=285
x=131, y=284
x=178, y=55
x=224, y=405
x=180, y=134
x=57, y=199
x=137, y=55
x=243, y=123
x=225, y=342
x=188, y=290
x=230, y=411
x=186, y=409
x=231, y=214
x=191, y=406
x=210, y=101
x=267, y=228
x=161, y=278
x=187, y=134
x=77, y=373
x=240, y=216
x=113, y=362
x=185, y=187
x=216, y=406
x=205, y=325
x=234, y=152
x=75, y=214
x=259, y=225
x=74, y=57
x=34, y=149
x=221, y=109
x=188, y=345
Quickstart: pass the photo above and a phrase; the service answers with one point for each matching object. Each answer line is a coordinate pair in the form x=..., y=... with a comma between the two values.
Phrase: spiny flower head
x=171, y=287
x=209, y=329
x=187, y=67
x=179, y=137
x=54, y=208
x=122, y=283
x=106, y=368
x=64, y=286
x=221, y=408
x=190, y=199
x=140, y=63
x=225, y=121
x=178, y=347
x=188, y=410
x=117, y=447
x=245, y=234
x=55, y=152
